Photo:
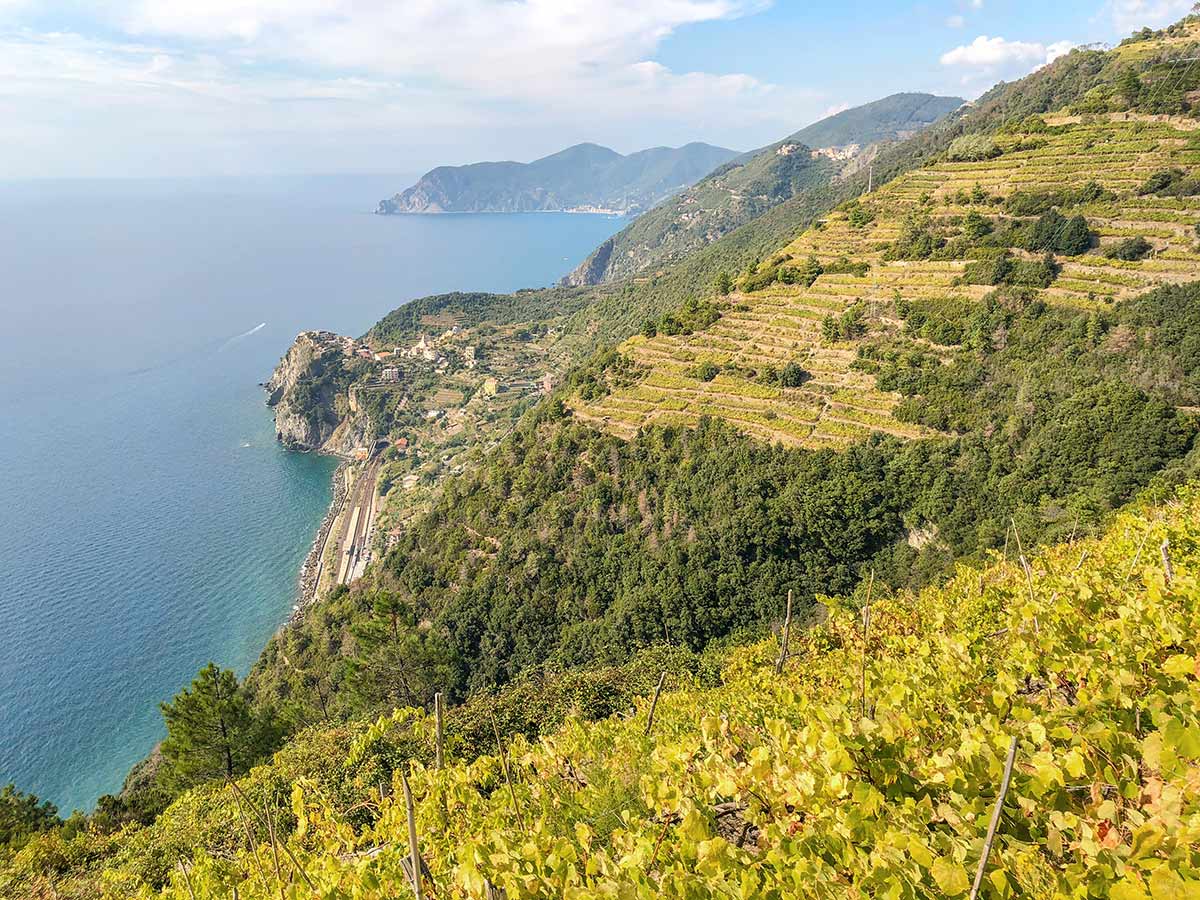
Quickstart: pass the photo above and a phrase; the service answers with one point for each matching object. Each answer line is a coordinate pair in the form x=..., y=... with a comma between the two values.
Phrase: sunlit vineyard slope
x=936, y=244
x=869, y=767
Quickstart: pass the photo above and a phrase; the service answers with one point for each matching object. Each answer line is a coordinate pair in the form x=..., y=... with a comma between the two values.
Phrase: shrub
x=1170, y=183
x=972, y=148
x=793, y=376
x=1034, y=273
x=1035, y=203
x=849, y=325
x=989, y=271
x=918, y=239
x=858, y=215
x=1074, y=239
x=1031, y=203
x=1092, y=192
x=707, y=370
x=1130, y=249
x=843, y=266
x=1057, y=233
x=670, y=325
x=22, y=816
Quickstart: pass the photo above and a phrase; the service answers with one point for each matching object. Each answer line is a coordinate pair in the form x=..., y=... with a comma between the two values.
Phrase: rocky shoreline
x=306, y=589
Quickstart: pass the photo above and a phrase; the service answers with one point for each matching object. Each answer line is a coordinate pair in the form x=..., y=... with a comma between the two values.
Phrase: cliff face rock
x=308, y=391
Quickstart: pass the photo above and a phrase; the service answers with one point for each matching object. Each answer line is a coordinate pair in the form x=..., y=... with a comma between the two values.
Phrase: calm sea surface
x=148, y=521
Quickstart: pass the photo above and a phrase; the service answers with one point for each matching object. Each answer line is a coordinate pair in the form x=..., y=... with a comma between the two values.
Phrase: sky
x=166, y=88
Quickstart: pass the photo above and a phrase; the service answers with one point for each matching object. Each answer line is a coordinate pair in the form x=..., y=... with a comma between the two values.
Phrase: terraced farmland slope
x=1099, y=164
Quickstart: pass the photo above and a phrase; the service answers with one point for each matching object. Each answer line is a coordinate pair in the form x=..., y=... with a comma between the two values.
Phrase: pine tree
x=1129, y=87
x=22, y=816
x=976, y=226
x=723, y=283
x=398, y=662
x=212, y=731
x=1075, y=237
x=810, y=271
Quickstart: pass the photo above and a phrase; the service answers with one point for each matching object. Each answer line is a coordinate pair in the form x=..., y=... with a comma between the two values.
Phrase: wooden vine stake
x=187, y=879
x=654, y=703
x=1165, y=550
x=266, y=819
x=784, y=635
x=251, y=846
x=437, y=728
x=1028, y=571
x=414, y=851
x=995, y=823
x=866, y=618
x=512, y=791
x=1136, y=556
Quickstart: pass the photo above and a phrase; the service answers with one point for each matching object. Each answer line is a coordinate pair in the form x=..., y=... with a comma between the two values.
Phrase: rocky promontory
x=583, y=178
x=309, y=392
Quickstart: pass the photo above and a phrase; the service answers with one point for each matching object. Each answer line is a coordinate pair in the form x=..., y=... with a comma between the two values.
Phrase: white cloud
x=987, y=60
x=833, y=110
x=996, y=51
x=505, y=48
x=335, y=85
x=1130, y=15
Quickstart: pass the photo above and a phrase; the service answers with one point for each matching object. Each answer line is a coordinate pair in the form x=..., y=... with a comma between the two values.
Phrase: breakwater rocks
x=310, y=572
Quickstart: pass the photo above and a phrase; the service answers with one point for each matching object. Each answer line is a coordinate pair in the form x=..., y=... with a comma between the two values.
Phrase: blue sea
x=149, y=523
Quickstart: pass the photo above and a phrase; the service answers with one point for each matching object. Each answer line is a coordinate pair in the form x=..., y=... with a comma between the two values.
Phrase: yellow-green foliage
x=781, y=323
x=869, y=768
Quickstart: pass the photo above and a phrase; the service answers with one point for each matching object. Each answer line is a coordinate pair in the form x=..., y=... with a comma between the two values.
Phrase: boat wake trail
x=239, y=337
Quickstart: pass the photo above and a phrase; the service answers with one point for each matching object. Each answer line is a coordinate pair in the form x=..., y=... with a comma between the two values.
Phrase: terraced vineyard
x=782, y=323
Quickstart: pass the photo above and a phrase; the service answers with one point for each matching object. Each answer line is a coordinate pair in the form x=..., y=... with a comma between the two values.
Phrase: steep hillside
x=893, y=118
x=964, y=406
x=584, y=177
x=1032, y=727
x=994, y=350
x=918, y=266
x=757, y=182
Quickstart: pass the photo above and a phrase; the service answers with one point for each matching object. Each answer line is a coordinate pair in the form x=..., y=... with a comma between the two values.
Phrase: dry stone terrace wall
x=782, y=323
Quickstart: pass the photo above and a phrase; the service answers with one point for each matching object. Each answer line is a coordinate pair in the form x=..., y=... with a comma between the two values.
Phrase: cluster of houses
x=838, y=154
x=426, y=349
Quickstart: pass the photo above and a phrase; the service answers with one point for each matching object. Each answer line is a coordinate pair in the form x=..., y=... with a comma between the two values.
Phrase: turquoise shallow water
x=148, y=520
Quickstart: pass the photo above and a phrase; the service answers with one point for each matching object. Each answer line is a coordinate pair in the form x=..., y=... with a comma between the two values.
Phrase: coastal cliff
x=309, y=393
x=583, y=178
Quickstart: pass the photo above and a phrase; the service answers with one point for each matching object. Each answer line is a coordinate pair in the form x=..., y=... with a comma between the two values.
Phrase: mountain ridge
x=746, y=187
x=582, y=177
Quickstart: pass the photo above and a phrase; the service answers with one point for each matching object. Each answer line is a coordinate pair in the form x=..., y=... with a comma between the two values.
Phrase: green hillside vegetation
x=995, y=349
x=875, y=762
x=745, y=188
x=892, y=118
x=586, y=175
x=1047, y=221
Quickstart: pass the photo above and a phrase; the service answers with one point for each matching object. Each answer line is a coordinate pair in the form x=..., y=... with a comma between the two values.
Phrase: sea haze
x=148, y=520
